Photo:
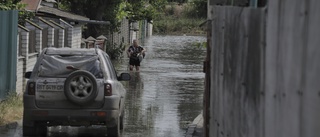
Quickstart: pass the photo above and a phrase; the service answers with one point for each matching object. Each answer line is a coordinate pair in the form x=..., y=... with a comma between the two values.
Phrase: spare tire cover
x=80, y=87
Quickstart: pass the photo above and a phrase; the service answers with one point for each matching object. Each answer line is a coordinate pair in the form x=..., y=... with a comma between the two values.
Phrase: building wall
x=129, y=31
x=61, y=38
x=32, y=59
x=22, y=60
x=20, y=77
x=122, y=36
x=76, y=37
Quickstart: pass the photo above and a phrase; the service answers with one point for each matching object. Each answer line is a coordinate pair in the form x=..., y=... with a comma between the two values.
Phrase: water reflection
x=167, y=93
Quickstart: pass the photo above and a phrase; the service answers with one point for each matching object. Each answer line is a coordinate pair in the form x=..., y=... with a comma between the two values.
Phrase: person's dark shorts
x=134, y=61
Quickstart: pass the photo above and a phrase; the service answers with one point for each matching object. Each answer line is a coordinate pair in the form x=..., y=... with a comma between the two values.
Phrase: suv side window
x=112, y=72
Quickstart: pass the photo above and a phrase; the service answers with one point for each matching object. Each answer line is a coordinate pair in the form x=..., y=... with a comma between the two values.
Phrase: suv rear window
x=56, y=65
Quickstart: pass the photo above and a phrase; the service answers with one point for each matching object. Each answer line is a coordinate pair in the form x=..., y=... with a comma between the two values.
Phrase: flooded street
x=162, y=99
x=166, y=95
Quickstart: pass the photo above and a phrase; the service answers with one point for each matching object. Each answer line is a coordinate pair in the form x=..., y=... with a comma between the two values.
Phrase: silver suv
x=73, y=87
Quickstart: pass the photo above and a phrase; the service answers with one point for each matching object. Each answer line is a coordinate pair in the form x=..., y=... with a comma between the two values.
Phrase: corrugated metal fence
x=265, y=70
x=8, y=51
x=292, y=69
x=236, y=81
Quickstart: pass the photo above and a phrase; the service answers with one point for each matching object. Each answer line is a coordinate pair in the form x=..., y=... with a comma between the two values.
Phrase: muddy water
x=166, y=95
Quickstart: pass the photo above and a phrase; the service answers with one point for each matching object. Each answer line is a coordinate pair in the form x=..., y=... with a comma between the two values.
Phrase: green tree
x=200, y=8
x=102, y=10
x=16, y=5
x=145, y=10
x=113, y=11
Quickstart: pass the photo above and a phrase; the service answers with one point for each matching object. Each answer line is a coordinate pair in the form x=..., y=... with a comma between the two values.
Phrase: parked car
x=73, y=87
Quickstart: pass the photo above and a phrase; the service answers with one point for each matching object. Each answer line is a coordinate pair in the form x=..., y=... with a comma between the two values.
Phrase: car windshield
x=56, y=65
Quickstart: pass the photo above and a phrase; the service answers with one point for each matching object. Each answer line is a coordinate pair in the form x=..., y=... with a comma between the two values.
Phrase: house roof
x=101, y=37
x=40, y=10
x=91, y=39
x=62, y=14
x=23, y=28
x=46, y=22
x=31, y=5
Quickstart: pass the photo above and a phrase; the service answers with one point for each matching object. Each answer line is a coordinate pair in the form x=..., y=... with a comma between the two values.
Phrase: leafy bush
x=115, y=51
x=172, y=25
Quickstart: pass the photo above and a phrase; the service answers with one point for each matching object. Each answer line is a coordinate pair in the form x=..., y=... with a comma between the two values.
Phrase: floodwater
x=167, y=94
x=162, y=99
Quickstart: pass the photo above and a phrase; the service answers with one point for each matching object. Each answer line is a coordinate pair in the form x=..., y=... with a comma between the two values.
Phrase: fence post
x=8, y=52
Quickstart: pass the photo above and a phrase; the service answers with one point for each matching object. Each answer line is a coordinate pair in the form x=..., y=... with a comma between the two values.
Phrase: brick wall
x=76, y=37
x=20, y=76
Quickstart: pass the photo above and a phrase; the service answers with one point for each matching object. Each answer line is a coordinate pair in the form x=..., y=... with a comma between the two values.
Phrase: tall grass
x=176, y=26
x=11, y=109
x=178, y=19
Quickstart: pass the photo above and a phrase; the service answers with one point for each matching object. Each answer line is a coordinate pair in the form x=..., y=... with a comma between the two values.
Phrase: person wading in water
x=134, y=53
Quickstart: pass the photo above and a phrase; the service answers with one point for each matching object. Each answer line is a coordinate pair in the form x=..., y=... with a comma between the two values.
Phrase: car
x=73, y=87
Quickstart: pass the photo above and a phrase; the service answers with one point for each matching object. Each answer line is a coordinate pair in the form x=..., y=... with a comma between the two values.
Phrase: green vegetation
x=15, y=5
x=174, y=26
x=11, y=109
x=199, y=44
x=113, y=11
x=115, y=51
x=168, y=16
x=180, y=19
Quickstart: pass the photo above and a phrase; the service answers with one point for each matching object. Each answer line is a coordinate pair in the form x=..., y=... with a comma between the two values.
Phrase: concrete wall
x=76, y=37
x=21, y=69
x=68, y=33
x=122, y=36
x=20, y=77
x=264, y=70
x=127, y=32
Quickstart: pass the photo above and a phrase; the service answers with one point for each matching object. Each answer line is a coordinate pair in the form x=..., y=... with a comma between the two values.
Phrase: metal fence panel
x=8, y=51
x=236, y=54
x=293, y=69
x=265, y=70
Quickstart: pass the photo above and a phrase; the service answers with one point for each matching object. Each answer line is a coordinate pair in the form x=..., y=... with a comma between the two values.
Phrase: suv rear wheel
x=81, y=87
x=37, y=130
x=121, y=119
x=114, y=131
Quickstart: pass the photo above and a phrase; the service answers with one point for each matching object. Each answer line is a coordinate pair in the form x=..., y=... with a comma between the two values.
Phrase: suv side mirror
x=27, y=74
x=124, y=77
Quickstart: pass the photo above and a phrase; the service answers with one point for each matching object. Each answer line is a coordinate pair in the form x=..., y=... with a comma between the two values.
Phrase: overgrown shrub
x=115, y=51
x=11, y=108
x=179, y=19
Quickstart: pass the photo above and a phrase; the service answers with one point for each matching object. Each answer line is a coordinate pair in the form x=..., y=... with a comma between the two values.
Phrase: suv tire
x=81, y=87
x=121, y=119
x=114, y=131
x=36, y=130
